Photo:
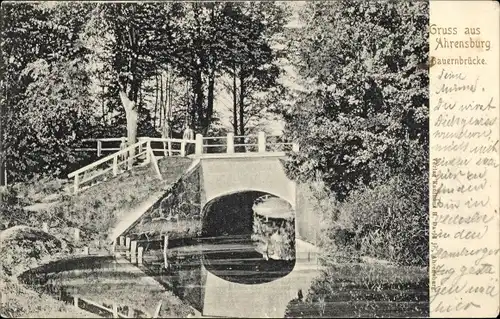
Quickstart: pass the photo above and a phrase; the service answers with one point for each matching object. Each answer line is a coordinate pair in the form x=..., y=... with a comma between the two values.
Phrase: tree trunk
x=161, y=100
x=131, y=115
x=193, y=106
x=210, y=102
x=103, y=104
x=156, y=102
x=235, y=103
x=139, y=100
x=2, y=165
x=3, y=121
x=242, y=104
x=166, y=111
x=170, y=100
x=198, y=91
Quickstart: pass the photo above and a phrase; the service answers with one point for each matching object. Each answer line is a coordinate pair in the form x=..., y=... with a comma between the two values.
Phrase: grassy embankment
x=366, y=290
x=93, y=211
x=374, y=252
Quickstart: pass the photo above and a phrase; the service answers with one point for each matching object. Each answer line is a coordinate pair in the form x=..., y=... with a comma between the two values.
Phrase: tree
x=53, y=120
x=31, y=32
x=362, y=114
x=200, y=58
x=251, y=60
x=130, y=41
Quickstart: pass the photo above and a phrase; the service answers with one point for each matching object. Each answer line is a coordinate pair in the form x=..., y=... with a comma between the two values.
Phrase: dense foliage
x=108, y=69
x=361, y=119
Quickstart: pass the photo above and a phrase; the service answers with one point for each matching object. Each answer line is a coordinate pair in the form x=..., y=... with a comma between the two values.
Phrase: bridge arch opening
x=230, y=249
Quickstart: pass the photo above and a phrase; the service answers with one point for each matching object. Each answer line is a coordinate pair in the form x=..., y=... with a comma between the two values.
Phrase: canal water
x=225, y=250
x=231, y=258
x=93, y=279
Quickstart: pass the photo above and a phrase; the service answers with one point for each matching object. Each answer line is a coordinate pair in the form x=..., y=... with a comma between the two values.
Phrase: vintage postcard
x=249, y=159
x=464, y=132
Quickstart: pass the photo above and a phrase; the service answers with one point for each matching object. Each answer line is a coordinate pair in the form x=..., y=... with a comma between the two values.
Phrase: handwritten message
x=464, y=159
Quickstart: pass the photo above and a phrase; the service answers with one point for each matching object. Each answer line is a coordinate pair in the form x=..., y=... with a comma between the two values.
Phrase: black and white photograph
x=201, y=159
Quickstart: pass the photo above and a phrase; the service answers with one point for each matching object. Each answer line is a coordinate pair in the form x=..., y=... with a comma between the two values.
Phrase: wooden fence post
x=140, y=251
x=86, y=250
x=115, y=165
x=133, y=252
x=77, y=235
x=99, y=148
x=165, y=247
x=169, y=147
x=140, y=146
x=154, y=162
x=130, y=312
x=3, y=298
x=262, y=142
x=149, y=152
x=199, y=145
x=130, y=159
x=75, y=301
x=115, y=310
x=157, y=311
x=183, y=148
x=230, y=143
x=127, y=246
x=77, y=181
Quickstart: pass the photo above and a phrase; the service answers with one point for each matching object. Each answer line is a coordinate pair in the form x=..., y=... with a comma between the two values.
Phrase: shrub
x=389, y=221
x=23, y=247
x=386, y=221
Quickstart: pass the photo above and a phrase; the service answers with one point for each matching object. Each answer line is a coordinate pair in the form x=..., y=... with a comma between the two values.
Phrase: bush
x=23, y=247
x=388, y=221
x=39, y=187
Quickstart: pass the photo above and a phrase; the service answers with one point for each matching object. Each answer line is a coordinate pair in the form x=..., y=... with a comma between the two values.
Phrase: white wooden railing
x=78, y=300
x=147, y=148
x=259, y=143
x=168, y=146
x=231, y=144
x=99, y=145
x=115, y=163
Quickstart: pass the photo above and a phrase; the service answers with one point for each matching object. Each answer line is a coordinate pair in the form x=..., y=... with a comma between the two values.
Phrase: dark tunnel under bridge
x=227, y=247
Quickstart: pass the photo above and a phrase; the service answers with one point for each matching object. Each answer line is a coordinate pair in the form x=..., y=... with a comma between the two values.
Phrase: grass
x=96, y=209
x=93, y=211
x=102, y=280
x=26, y=303
x=102, y=205
x=366, y=290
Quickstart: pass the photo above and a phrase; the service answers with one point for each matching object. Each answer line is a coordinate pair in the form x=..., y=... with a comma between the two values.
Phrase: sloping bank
x=93, y=211
x=22, y=247
x=174, y=211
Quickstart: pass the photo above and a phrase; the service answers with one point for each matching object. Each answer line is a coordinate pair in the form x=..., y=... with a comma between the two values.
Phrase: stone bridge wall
x=307, y=215
x=177, y=212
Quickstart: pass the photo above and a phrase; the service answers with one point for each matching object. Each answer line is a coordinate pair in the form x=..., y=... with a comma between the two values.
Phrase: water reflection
x=235, y=259
x=227, y=247
x=232, y=258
